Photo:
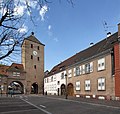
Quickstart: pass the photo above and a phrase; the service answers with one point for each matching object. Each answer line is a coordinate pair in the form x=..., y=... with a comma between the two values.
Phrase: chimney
x=91, y=44
x=119, y=30
x=32, y=33
x=108, y=34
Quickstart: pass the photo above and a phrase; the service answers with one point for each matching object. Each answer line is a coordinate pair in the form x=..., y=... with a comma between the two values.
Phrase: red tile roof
x=3, y=69
x=16, y=67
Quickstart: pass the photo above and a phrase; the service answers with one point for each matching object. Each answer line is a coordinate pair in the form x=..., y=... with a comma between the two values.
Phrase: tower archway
x=34, y=88
x=16, y=87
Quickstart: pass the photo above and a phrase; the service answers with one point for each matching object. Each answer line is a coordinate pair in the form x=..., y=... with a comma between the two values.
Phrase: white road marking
x=8, y=112
x=43, y=106
x=37, y=107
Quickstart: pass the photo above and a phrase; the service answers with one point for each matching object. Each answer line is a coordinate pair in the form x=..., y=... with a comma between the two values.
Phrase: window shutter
x=99, y=84
x=103, y=83
x=80, y=70
x=83, y=69
x=74, y=71
x=91, y=67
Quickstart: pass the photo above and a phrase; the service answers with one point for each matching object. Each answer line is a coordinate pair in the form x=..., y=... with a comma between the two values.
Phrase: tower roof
x=33, y=39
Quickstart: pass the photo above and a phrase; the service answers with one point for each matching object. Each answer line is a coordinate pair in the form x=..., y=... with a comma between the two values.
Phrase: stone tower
x=33, y=62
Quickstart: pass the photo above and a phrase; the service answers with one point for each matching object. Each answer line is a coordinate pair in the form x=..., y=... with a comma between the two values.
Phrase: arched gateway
x=16, y=86
x=34, y=88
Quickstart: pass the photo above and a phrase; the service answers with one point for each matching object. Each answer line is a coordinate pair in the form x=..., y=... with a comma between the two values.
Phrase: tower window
x=31, y=56
x=31, y=45
x=38, y=58
x=34, y=66
x=38, y=48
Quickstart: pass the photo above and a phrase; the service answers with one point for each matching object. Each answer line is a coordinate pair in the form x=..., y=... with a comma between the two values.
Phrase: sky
x=66, y=30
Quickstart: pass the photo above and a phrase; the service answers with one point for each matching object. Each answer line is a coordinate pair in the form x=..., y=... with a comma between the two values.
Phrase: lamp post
x=66, y=86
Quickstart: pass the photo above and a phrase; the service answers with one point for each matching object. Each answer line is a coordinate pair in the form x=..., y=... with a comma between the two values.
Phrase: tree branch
x=9, y=52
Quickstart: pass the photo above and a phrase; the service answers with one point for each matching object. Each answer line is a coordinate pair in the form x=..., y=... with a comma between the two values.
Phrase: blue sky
x=74, y=28
x=66, y=30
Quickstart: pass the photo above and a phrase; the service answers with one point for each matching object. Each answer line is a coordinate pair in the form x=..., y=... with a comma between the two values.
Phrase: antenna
x=105, y=25
x=107, y=28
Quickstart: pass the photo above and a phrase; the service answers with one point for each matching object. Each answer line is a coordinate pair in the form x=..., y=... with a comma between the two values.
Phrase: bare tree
x=12, y=22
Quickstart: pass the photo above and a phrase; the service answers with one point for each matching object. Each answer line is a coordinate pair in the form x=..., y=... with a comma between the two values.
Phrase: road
x=52, y=105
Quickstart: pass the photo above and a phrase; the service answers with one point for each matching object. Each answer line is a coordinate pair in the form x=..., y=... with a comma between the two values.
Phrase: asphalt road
x=52, y=105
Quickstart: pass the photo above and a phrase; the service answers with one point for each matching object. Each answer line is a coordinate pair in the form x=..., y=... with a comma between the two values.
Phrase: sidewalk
x=89, y=100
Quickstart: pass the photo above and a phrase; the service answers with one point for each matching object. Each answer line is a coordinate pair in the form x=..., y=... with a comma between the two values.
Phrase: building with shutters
x=91, y=73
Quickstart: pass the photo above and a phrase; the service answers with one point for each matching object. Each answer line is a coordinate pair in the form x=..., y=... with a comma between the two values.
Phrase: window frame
x=101, y=84
x=77, y=86
x=87, y=85
x=101, y=64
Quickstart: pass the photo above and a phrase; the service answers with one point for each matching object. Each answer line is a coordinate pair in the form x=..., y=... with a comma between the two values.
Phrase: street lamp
x=66, y=86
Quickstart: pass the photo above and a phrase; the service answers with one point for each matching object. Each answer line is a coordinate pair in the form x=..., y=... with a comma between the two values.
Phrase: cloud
x=43, y=11
x=19, y=10
x=23, y=29
x=49, y=27
x=55, y=39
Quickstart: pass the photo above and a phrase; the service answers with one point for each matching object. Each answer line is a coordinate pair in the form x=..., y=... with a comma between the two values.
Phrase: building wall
x=93, y=77
x=34, y=68
x=53, y=87
x=117, y=69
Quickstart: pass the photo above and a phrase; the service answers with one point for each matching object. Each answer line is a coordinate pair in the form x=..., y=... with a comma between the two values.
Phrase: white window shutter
x=74, y=71
x=80, y=70
x=91, y=67
x=103, y=81
x=83, y=69
x=99, y=83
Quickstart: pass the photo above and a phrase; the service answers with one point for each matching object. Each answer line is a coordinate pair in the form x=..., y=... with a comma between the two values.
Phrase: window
x=87, y=68
x=31, y=56
x=101, y=83
x=76, y=71
x=38, y=58
x=45, y=80
x=69, y=73
x=16, y=73
x=77, y=85
x=87, y=85
x=38, y=48
x=52, y=79
x=31, y=45
x=62, y=75
x=101, y=64
x=34, y=66
x=58, y=82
